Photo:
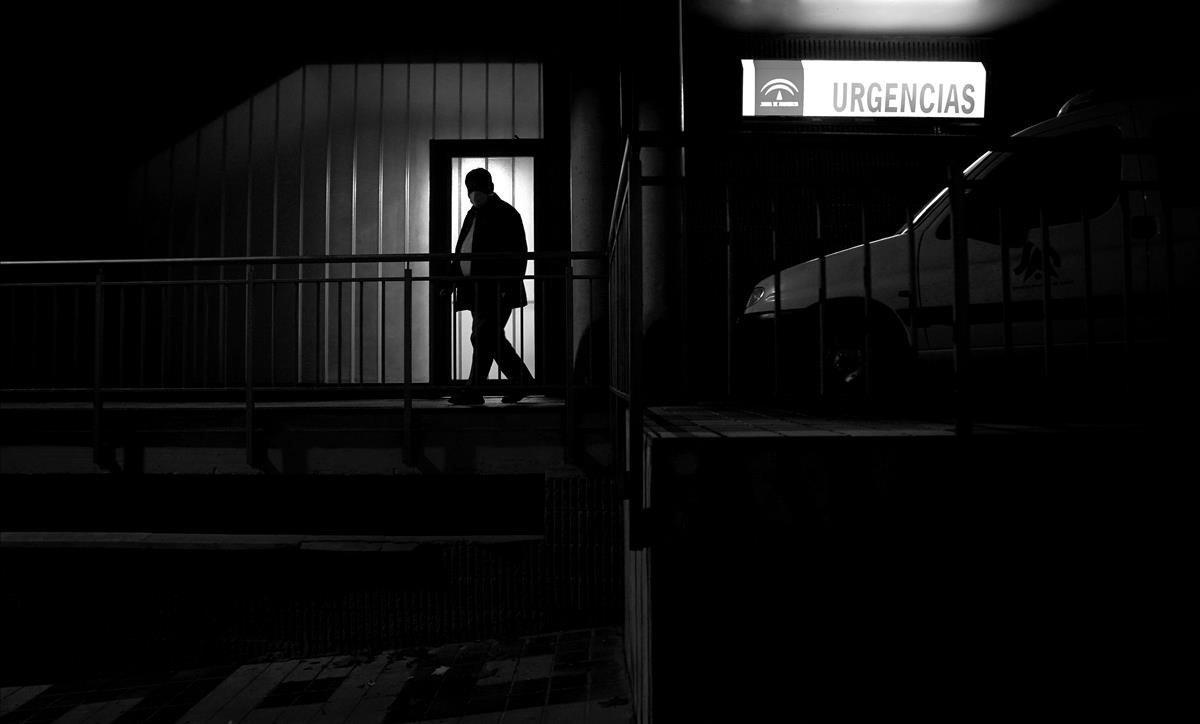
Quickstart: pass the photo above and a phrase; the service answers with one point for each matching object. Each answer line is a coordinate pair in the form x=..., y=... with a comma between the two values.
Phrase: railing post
x=913, y=301
x=868, y=383
x=1166, y=235
x=777, y=317
x=361, y=348
x=408, y=452
x=569, y=421
x=730, y=302
x=1089, y=313
x=1126, y=280
x=1006, y=286
x=962, y=328
x=635, y=462
x=251, y=458
x=120, y=335
x=341, y=292
x=98, y=455
x=822, y=310
x=1047, y=320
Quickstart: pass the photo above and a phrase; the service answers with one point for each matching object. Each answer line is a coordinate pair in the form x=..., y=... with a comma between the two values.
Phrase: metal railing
x=625, y=326
x=980, y=321
x=114, y=328
x=767, y=228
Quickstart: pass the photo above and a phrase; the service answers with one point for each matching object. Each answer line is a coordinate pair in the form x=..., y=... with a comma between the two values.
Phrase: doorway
x=514, y=166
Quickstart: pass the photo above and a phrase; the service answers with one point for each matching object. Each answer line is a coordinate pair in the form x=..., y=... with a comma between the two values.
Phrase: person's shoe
x=513, y=398
x=466, y=397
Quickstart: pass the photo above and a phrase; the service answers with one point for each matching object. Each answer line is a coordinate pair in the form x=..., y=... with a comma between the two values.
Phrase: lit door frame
x=442, y=239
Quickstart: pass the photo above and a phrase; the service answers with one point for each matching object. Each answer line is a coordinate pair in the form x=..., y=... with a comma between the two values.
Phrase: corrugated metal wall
x=863, y=48
x=639, y=608
x=332, y=159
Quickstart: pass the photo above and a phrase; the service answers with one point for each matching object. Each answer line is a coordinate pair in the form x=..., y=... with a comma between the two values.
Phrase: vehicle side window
x=943, y=230
x=1079, y=174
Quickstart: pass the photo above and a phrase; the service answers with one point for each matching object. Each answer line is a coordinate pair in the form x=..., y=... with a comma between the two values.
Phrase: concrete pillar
x=642, y=38
x=594, y=155
x=656, y=76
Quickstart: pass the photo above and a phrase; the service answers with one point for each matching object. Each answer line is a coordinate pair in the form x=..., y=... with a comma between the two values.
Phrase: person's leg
x=489, y=344
x=485, y=328
x=483, y=351
x=510, y=363
x=508, y=360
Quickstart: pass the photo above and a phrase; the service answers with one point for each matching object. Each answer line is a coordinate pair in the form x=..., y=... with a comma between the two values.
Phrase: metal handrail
x=622, y=181
x=99, y=282
x=625, y=320
x=324, y=259
x=283, y=282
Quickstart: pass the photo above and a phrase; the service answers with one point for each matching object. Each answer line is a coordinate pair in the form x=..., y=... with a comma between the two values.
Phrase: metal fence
x=1026, y=294
x=1049, y=280
x=121, y=328
x=625, y=322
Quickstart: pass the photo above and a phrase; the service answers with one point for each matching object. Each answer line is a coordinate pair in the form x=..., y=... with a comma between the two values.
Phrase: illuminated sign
x=863, y=88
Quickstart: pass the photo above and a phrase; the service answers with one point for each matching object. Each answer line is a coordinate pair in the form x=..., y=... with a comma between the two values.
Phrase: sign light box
x=863, y=88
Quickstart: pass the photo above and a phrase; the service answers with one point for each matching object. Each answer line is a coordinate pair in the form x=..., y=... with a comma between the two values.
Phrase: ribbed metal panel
x=571, y=579
x=477, y=592
x=583, y=539
x=332, y=159
x=884, y=48
x=638, y=630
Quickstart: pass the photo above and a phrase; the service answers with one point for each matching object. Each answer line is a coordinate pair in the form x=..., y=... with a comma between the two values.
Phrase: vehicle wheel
x=845, y=366
x=847, y=377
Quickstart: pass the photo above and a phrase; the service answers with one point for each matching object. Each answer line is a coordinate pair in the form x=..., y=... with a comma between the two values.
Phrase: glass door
x=513, y=180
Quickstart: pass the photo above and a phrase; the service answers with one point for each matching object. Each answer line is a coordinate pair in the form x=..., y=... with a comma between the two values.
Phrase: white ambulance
x=1037, y=201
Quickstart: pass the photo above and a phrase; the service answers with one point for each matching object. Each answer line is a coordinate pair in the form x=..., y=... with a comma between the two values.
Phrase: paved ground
x=570, y=676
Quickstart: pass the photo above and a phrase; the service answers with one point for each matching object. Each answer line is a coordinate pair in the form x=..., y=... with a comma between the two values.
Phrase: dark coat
x=498, y=228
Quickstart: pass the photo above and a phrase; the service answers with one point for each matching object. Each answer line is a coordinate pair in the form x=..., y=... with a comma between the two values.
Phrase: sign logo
x=779, y=86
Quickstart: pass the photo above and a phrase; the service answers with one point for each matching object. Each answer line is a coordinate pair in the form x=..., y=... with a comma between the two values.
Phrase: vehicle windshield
x=925, y=210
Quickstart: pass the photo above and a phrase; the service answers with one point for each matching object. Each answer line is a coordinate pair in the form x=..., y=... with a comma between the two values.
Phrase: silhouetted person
x=491, y=226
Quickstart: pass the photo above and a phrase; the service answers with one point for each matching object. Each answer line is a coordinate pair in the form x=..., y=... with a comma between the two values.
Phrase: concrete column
x=655, y=67
x=644, y=39
x=594, y=155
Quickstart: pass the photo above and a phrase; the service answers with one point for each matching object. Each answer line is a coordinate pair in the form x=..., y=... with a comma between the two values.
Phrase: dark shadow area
x=949, y=577
x=107, y=612
x=505, y=556
x=315, y=504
